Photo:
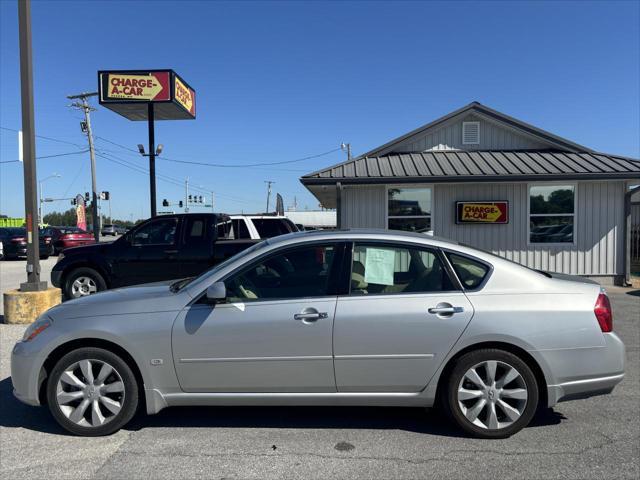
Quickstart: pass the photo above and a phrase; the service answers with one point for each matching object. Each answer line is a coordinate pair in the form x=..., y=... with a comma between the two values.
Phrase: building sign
x=151, y=87
x=482, y=212
x=131, y=92
x=185, y=96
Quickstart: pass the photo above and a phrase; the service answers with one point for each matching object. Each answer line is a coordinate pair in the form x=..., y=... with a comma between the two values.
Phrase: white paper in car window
x=379, y=266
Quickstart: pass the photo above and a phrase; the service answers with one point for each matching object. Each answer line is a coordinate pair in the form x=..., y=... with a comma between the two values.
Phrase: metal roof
x=477, y=166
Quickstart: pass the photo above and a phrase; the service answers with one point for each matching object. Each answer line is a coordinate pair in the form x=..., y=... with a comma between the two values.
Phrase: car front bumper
x=27, y=374
x=593, y=371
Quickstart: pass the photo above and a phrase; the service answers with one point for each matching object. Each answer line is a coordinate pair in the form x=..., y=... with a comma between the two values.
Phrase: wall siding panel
x=364, y=207
x=598, y=213
x=493, y=136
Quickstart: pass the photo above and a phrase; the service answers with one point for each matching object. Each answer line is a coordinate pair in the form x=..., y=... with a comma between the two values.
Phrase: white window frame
x=479, y=133
x=407, y=186
x=574, y=214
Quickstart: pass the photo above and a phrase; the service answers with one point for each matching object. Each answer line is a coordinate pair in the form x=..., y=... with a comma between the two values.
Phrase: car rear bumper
x=597, y=371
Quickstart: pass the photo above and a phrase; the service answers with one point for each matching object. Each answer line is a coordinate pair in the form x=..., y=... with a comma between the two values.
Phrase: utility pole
x=186, y=195
x=269, y=183
x=86, y=108
x=213, y=201
x=346, y=147
x=33, y=282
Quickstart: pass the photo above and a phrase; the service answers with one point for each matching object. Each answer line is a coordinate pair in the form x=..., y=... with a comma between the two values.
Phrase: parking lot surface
x=593, y=438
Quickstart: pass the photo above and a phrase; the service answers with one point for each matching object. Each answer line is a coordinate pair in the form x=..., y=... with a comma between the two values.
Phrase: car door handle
x=310, y=317
x=445, y=309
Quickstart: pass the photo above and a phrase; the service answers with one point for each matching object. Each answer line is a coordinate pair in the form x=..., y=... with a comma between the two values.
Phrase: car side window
x=299, y=272
x=271, y=227
x=383, y=269
x=157, y=232
x=470, y=272
x=240, y=228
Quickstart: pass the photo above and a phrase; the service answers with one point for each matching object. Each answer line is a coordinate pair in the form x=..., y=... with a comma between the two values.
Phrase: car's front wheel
x=92, y=392
x=82, y=282
x=491, y=393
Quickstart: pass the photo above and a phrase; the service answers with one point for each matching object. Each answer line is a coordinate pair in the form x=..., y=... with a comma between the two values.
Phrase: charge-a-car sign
x=151, y=87
x=184, y=95
x=494, y=212
x=142, y=94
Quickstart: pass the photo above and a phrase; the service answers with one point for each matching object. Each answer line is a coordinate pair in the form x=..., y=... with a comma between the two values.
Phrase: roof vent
x=470, y=133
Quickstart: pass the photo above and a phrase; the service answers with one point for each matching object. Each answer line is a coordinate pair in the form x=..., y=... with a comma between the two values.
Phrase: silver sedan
x=329, y=318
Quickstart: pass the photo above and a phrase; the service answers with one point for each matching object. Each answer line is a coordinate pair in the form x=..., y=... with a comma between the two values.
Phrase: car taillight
x=603, y=312
x=47, y=239
x=17, y=240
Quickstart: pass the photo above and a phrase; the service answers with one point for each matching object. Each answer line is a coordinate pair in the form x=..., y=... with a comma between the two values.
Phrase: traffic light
x=200, y=199
x=86, y=196
x=190, y=199
x=165, y=203
x=104, y=196
x=74, y=201
x=180, y=204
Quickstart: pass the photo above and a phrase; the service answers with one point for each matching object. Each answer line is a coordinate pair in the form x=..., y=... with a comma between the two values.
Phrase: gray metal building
x=494, y=182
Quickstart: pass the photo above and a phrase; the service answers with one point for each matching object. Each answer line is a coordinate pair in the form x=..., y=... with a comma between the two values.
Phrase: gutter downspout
x=339, y=205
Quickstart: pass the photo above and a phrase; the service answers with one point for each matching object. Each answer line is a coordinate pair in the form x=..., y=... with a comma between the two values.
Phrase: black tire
x=82, y=272
x=527, y=380
x=129, y=399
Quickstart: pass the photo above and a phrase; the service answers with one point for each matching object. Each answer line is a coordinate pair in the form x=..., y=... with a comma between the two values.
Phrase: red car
x=65, y=237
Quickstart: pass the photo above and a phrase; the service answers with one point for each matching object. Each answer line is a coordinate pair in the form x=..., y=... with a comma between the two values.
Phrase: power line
x=51, y=156
x=245, y=165
x=172, y=180
x=46, y=138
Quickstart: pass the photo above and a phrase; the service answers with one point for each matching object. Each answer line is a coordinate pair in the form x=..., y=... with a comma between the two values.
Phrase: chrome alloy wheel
x=87, y=399
x=83, y=286
x=492, y=395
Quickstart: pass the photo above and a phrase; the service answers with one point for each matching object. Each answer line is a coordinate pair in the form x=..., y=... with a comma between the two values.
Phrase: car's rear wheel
x=491, y=393
x=82, y=282
x=92, y=392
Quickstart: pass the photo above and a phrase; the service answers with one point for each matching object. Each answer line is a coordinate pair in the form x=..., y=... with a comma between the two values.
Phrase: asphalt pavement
x=592, y=438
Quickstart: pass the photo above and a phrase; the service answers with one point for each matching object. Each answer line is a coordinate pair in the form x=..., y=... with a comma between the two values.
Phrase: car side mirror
x=216, y=292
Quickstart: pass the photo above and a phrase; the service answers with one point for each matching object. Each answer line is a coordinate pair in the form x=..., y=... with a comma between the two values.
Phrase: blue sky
x=284, y=80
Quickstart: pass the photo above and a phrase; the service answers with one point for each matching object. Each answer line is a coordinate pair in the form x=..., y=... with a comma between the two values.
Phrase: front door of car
x=401, y=318
x=148, y=254
x=272, y=334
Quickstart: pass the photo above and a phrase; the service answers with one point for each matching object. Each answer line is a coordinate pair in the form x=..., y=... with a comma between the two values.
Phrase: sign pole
x=152, y=159
x=30, y=183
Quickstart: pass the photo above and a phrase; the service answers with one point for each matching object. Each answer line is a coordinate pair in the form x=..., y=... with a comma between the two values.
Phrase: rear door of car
x=403, y=314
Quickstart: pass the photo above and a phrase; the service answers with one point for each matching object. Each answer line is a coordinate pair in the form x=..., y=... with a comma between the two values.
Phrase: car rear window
x=272, y=227
x=470, y=272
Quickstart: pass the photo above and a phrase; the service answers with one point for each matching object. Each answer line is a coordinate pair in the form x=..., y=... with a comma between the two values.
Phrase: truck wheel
x=82, y=282
x=92, y=392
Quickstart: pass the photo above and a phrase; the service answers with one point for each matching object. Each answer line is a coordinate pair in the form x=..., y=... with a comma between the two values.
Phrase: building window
x=409, y=209
x=551, y=213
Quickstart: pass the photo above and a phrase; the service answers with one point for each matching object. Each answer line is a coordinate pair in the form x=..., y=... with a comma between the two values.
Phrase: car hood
x=86, y=249
x=151, y=297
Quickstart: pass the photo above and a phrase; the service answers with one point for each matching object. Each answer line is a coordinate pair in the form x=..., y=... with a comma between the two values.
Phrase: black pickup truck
x=162, y=248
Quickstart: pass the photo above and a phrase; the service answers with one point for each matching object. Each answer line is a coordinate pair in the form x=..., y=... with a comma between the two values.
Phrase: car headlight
x=36, y=328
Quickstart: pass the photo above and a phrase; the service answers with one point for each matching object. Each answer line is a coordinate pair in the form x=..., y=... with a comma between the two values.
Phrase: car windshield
x=180, y=284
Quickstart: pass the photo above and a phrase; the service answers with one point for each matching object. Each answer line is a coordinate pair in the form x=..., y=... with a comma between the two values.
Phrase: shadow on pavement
x=15, y=414
x=634, y=293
